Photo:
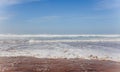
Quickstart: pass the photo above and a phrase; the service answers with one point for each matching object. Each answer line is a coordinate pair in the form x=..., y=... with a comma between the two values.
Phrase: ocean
x=102, y=47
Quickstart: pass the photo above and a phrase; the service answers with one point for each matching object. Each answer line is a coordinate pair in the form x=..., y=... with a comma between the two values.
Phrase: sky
x=59, y=16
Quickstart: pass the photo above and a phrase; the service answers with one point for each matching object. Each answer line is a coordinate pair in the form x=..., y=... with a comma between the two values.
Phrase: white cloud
x=13, y=2
x=8, y=2
x=44, y=19
x=5, y=3
x=3, y=18
x=113, y=5
x=48, y=18
x=108, y=4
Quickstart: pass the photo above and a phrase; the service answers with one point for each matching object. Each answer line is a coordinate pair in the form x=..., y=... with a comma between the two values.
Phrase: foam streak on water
x=62, y=46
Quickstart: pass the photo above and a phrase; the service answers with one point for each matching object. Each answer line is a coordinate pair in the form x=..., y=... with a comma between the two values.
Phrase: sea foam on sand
x=102, y=47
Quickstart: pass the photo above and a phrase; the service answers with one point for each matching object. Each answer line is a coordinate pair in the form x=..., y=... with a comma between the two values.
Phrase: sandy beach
x=31, y=64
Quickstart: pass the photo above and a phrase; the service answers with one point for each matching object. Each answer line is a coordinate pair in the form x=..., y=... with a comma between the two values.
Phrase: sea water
x=103, y=47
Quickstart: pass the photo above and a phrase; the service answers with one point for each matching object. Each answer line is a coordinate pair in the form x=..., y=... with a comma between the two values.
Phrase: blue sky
x=60, y=16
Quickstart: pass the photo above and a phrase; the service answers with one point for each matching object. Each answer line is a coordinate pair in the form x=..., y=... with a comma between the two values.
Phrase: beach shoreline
x=32, y=64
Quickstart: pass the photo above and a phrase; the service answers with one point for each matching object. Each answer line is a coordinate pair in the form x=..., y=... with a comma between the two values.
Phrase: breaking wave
x=50, y=35
x=95, y=40
x=103, y=47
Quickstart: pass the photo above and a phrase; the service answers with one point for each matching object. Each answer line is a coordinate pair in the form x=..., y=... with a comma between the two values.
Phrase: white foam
x=93, y=40
x=65, y=53
x=50, y=35
x=59, y=48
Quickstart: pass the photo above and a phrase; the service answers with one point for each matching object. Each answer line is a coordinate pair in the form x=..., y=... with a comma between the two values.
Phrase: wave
x=107, y=47
x=56, y=41
x=65, y=50
x=93, y=40
x=50, y=35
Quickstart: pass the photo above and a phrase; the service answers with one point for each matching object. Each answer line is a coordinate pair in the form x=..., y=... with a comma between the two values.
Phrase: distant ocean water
x=103, y=47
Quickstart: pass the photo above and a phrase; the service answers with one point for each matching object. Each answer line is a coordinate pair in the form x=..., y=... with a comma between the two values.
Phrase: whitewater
x=102, y=47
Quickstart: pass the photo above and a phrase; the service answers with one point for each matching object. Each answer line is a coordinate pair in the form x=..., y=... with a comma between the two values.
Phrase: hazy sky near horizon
x=60, y=16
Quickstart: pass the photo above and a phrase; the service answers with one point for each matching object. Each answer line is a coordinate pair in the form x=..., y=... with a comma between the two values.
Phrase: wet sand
x=31, y=64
